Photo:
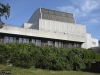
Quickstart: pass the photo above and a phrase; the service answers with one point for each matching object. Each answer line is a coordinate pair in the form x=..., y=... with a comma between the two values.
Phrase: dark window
x=56, y=44
x=6, y=39
x=33, y=41
x=60, y=44
x=20, y=40
x=75, y=45
x=50, y=43
x=38, y=42
x=1, y=39
x=24, y=40
x=10, y=39
x=70, y=45
x=14, y=39
x=78, y=45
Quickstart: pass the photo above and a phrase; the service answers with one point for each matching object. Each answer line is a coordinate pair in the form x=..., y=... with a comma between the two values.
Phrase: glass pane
x=24, y=40
x=78, y=45
x=38, y=42
x=27, y=40
x=50, y=43
x=59, y=44
x=44, y=42
x=75, y=45
x=6, y=39
x=70, y=45
x=1, y=39
x=65, y=45
x=20, y=40
x=33, y=41
x=10, y=39
x=14, y=39
x=56, y=44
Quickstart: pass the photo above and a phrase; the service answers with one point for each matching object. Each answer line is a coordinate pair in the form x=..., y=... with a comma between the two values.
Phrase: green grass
x=32, y=71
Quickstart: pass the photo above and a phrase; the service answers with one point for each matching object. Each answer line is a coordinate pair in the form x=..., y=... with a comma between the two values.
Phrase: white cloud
x=69, y=9
x=91, y=22
x=90, y=5
x=94, y=21
x=84, y=9
x=81, y=8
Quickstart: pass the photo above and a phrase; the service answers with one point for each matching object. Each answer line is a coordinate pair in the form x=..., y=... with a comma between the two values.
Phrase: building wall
x=48, y=14
x=35, y=19
x=95, y=42
x=63, y=27
x=90, y=42
x=57, y=15
x=41, y=33
x=27, y=25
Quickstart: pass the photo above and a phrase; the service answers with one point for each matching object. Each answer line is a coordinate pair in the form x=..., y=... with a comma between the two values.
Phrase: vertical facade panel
x=63, y=28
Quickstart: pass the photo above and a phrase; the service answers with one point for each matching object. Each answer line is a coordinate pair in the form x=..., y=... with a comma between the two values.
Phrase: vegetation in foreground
x=34, y=71
x=51, y=58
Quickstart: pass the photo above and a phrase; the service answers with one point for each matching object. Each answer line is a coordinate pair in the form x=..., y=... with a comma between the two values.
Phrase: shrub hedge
x=27, y=55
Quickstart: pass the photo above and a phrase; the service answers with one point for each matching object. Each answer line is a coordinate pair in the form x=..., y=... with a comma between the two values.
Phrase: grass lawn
x=32, y=71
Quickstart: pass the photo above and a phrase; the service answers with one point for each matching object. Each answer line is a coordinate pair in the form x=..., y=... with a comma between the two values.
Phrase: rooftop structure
x=49, y=14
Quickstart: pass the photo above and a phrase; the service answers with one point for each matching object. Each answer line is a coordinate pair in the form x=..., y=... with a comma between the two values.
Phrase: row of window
x=40, y=42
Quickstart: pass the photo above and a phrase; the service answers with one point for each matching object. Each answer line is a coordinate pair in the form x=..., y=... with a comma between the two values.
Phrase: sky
x=86, y=12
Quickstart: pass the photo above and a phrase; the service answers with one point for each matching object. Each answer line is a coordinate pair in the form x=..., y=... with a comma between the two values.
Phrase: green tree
x=4, y=11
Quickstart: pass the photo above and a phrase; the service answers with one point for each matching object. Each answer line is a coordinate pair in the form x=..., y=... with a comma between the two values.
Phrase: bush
x=3, y=54
x=26, y=55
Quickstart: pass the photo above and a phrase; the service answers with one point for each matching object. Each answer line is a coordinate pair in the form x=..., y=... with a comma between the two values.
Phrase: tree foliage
x=4, y=11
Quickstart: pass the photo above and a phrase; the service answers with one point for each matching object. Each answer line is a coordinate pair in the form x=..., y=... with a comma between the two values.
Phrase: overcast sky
x=86, y=12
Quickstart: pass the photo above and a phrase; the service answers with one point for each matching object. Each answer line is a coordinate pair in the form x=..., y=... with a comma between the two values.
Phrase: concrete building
x=49, y=27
